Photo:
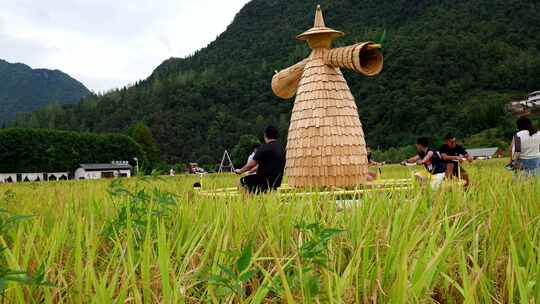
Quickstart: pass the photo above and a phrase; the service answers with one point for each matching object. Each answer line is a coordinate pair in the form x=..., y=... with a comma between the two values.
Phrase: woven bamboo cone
x=326, y=146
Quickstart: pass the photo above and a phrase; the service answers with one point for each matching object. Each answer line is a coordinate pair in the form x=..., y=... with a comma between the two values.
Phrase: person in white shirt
x=525, y=149
x=250, y=158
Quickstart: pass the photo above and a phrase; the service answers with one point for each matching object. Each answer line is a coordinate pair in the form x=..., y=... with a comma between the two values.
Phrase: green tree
x=260, y=123
x=40, y=150
x=486, y=138
x=143, y=136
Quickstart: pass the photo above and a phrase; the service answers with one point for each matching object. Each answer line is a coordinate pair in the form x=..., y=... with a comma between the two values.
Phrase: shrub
x=38, y=150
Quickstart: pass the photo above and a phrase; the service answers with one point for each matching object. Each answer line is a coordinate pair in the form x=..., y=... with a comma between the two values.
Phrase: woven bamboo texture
x=364, y=58
x=326, y=146
x=285, y=83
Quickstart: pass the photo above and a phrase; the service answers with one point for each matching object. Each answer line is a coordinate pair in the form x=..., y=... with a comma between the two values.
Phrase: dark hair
x=523, y=123
x=255, y=146
x=423, y=141
x=449, y=136
x=271, y=132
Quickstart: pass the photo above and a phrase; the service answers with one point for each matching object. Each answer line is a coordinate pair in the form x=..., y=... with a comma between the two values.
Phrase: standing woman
x=525, y=149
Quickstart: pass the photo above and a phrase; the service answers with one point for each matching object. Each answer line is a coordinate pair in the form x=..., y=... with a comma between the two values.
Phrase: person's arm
x=247, y=168
x=427, y=158
x=253, y=162
x=464, y=155
x=253, y=170
x=411, y=160
x=374, y=163
x=449, y=157
x=512, y=151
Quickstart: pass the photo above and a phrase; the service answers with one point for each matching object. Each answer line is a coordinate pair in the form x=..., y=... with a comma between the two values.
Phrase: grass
x=148, y=240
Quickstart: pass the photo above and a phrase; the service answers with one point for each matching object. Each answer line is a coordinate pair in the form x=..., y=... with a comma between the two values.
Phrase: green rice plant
x=154, y=240
x=139, y=204
x=232, y=279
x=313, y=253
x=33, y=280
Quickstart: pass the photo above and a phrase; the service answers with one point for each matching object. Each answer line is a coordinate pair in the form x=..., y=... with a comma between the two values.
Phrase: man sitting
x=432, y=161
x=454, y=154
x=270, y=162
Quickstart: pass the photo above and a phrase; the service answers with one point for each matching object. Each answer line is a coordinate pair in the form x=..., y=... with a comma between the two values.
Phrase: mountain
x=450, y=66
x=23, y=89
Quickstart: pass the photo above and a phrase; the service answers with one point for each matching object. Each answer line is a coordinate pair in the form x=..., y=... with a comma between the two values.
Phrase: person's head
x=450, y=140
x=254, y=147
x=422, y=144
x=270, y=134
x=525, y=124
x=368, y=150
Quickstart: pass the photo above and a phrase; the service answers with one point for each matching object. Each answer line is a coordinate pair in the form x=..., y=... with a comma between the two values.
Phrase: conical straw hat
x=319, y=27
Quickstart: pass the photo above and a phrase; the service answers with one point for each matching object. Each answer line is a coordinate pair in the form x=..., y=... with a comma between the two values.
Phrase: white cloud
x=108, y=44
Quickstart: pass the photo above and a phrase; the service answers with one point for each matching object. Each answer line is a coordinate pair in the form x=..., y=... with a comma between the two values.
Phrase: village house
x=97, y=171
x=486, y=153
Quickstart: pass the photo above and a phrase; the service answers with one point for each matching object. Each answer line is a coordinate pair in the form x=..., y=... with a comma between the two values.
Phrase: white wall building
x=32, y=177
x=8, y=178
x=533, y=100
x=97, y=171
x=485, y=153
x=57, y=176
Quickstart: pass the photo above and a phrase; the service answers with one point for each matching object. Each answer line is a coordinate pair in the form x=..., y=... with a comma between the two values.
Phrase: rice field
x=151, y=240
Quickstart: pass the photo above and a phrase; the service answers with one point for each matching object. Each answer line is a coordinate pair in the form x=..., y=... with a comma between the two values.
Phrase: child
x=432, y=161
x=254, y=148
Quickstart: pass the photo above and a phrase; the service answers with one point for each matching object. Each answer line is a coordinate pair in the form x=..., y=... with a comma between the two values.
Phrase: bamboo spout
x=285, y=82
x=364, y=58
x=373, y=46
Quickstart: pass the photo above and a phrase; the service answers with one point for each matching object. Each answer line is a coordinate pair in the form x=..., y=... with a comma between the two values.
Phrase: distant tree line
x=450, y=66
x=40, y=150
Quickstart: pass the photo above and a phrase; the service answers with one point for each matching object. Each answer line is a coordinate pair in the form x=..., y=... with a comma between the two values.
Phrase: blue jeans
x=529, y=167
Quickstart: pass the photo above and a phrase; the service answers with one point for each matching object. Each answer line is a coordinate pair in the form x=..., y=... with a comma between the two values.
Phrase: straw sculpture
x=326, y=146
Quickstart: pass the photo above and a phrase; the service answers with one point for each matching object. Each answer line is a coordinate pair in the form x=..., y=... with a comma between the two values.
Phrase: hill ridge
x=25, y=89
x=450, y=66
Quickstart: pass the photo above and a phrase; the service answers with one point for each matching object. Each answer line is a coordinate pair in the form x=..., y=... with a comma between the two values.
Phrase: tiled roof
x=106, y=167
x=482, y=152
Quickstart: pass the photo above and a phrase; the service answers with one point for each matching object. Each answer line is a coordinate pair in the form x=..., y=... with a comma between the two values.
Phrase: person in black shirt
x=432, y=161
x=270, y=162
x=454, y=154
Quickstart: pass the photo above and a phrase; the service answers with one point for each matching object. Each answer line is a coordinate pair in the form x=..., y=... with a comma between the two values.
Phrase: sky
x=107, y=44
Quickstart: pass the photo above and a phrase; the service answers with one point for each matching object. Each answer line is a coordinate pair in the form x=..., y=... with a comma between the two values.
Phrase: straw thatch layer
x=326, y=144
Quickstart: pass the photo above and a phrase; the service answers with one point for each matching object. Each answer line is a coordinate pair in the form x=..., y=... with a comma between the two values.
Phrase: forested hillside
x=23, y=89
x=34, y=150
x=449, y=66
